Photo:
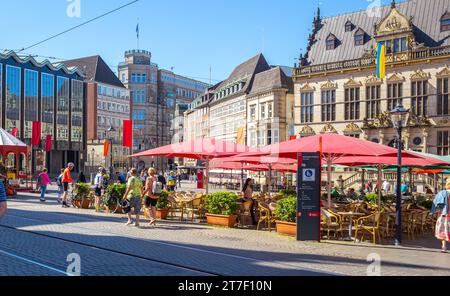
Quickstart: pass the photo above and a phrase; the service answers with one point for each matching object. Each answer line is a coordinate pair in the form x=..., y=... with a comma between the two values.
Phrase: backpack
x=157, y=188
x=171, y=181
x=59, y=181
x=105, y=182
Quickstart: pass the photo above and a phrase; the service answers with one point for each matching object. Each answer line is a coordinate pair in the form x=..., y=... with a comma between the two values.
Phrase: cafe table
x=350, y=216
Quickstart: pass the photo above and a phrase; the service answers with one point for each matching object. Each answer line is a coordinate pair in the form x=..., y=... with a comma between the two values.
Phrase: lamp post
x=399, y=118
x=111, y=130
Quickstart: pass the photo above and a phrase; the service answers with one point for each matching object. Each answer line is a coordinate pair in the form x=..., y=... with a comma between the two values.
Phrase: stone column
x=381, y=135
x=425, y=135
x=406, y=139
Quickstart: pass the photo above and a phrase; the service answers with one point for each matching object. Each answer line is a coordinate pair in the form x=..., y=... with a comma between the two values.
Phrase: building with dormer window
x=336, y=89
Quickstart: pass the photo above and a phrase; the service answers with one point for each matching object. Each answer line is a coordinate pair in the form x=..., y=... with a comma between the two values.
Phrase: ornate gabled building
x=336, y=89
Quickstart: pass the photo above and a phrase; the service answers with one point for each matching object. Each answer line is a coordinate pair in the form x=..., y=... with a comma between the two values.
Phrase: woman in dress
x=441, y=206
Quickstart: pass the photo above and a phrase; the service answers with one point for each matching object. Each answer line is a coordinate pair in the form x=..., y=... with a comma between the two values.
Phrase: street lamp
x=111, y=130
x=399, y=117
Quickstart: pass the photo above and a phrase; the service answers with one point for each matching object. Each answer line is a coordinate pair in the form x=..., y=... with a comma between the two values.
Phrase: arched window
x=360, y=37
x=445, y=22
x=331, y=42
x=348, y=26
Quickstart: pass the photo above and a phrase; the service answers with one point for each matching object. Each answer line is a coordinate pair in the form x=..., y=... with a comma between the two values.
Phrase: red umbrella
x=258, y=160
x=420, y=161
x=205, y=149
x=333, y=145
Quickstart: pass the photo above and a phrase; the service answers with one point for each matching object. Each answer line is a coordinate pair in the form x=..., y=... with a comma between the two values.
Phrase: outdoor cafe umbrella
x=331, y=146
x=201, y=149
x=271, y=164
x=384, y=161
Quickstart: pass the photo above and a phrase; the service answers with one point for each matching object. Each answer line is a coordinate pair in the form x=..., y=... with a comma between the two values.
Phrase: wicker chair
x=195, y=206
x=369, y=224
x=331, y=222
x=265, y=216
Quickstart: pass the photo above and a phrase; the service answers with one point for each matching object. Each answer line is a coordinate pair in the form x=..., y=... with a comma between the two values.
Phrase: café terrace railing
x=417, y=54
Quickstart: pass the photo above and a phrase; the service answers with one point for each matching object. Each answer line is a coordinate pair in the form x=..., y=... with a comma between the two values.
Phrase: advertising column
x=308, y=194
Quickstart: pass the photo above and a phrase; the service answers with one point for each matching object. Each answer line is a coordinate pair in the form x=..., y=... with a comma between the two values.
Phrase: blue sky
x=189, y=35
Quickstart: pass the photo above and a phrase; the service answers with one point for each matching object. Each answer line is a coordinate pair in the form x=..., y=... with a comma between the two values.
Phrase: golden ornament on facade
x=445, y=72
x=307, y=88
x=396, y=78
x=307, y=131
x=328, y=129
x=352, y=83
x=393, y=22
x=415, y=121
x=419, y=74
x=373, y=79
x=329, y=85
x=352, y=128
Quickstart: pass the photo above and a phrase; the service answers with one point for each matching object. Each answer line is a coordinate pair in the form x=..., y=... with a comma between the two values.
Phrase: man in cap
x=67, y=178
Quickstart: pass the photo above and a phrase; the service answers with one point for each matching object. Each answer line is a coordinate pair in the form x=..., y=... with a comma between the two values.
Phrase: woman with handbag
x=133, y=195
x=151, y=194
x=441, y=205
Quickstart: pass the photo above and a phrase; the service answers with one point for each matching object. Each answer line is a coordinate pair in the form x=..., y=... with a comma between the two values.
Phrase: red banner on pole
x=14, y=132
x=293, y=138
x=48, y=143
x=36, y=137
x=106, y=148
x=128, y=133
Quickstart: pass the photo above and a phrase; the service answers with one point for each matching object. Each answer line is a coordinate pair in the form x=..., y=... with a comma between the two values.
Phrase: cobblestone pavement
x=47, y=233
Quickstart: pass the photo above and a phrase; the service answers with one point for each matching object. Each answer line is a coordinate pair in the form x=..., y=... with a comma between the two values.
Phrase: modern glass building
x=53, y=94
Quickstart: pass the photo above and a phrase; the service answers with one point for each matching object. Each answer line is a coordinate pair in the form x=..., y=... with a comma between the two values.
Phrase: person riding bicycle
x=66, y=180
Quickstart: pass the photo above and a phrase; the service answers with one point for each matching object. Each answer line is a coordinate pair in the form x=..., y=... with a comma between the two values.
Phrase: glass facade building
x=51, y=94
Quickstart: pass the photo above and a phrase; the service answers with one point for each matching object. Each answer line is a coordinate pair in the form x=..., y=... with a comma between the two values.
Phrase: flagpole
x=137, y=33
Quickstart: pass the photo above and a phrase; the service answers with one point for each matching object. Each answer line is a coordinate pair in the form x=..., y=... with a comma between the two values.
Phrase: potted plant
x=286, y=212
x=112, y=198
x=83, y=196
x=221, y=209
x=162, y=208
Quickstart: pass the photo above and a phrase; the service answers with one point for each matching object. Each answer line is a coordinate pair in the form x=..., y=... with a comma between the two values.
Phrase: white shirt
x=98, y=180
x=386, y=186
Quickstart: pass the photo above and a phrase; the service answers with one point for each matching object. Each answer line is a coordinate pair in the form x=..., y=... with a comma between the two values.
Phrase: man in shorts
x=98, y=184
x=66, y=180
x=134, y=196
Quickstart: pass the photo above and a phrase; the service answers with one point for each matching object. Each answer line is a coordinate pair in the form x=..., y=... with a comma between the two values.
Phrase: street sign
x=308, y=194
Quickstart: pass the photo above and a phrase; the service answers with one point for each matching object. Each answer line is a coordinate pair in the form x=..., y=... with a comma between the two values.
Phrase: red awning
x=420, y=161
x=333, y=145
x=198, y=149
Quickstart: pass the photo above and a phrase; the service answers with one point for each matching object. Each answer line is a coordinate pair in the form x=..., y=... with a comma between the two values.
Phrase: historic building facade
x=52, y=94
x=254, y=106
x=107, y=105
x=336, y=89
x=155, y=94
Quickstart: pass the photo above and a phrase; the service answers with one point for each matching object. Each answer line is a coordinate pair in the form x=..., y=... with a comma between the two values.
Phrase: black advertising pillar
x=308, y=195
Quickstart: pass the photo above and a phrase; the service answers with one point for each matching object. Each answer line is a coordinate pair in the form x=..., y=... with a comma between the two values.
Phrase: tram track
x=35, y=261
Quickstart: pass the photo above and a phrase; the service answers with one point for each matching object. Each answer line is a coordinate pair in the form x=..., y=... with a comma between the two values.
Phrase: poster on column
x=308, y=197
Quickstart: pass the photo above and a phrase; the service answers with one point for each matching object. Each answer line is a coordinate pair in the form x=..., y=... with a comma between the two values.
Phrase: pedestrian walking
x=60, y=185
x=66, y=180
x=163, y=180
x=386, y=187
x=441, y=206
x=172, y=182
x=98, y=185
x=179, y=180
x=81, y=178
x=133, y=195
x=143, y=177
x=152, y=192
x=44, y=182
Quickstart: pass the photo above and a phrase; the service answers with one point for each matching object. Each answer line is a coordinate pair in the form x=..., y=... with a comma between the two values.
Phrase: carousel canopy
x=10, y=144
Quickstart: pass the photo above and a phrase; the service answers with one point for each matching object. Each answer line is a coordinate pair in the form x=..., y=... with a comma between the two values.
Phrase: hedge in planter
x=286, y=212
x=162, y=207
x=114, y=194
x=82, y=197
x=221, y=208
